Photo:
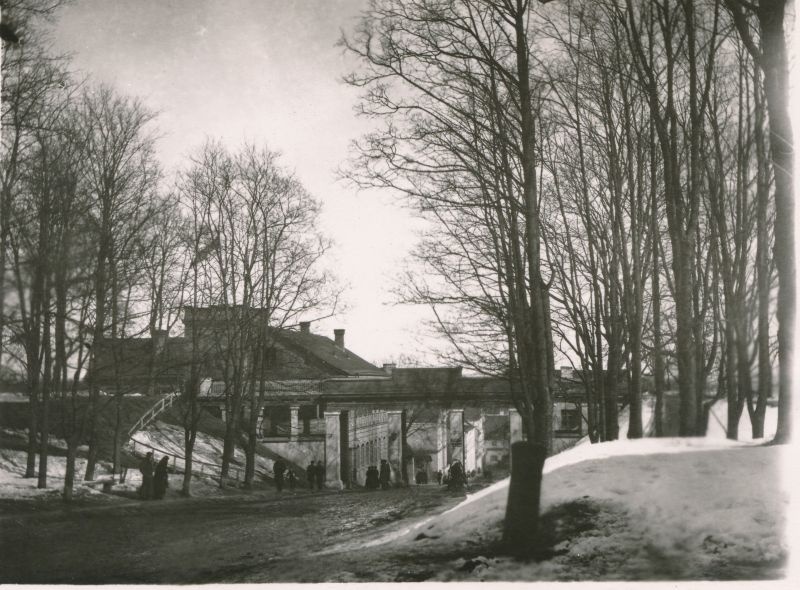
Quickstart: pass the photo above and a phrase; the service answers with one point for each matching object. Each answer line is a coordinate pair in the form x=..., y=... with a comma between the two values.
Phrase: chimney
x=389, y=367
x=338, y=337
x=305, y=327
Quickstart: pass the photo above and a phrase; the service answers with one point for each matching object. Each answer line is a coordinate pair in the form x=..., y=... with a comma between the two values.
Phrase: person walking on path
x=161, y=478
x=292, y=479
x=279, y=468
x=320, y=472
x=311, y=475
x=146, y=467
x=386, y=474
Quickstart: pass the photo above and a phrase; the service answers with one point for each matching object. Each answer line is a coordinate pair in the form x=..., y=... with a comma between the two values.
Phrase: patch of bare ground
x=588, y=540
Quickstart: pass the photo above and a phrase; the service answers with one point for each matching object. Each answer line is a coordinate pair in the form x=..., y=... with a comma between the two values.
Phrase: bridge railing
x=161, y=405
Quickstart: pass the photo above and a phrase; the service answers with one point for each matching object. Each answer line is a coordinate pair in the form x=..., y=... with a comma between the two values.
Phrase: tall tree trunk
x=93, y=453
x=655, y=288
x=118, y=435
x=731, y=375
x=69, y=474
x=521, y=533
x=232, y=429
x=776, y=85
x=189, y=437
x=252, y=440
x=33, y=428
x=763, y=272
x=44, y=436
x=683, y=260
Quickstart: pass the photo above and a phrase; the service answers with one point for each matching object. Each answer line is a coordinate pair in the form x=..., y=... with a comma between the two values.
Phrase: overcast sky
x=263, y=71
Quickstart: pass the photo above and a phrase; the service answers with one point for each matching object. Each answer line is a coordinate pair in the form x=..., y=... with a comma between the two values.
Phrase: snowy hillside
x=168, y=438
x=655, y=508
x=161, y=436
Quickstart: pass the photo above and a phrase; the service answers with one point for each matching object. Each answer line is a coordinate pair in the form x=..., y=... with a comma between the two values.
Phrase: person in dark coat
x=439, y=476
x=161, y=479
x=311, y=475
x=455, y=477
x=279, y=468
x=292, y=479
x=385, y=474
x=372, y=478
x=320, y=472
x=146, y=467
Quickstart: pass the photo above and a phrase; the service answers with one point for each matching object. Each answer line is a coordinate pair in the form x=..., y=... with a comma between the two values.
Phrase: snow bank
x=694, y=502
x=14, y=486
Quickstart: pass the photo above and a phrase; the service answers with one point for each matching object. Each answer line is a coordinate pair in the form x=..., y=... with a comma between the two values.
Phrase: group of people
x=378, y=478
x=155, y=480
x=456, y=476
x=315, y=474
x=283, y=474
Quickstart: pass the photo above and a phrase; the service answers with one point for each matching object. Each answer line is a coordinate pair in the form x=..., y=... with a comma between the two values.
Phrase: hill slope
x=646, y=509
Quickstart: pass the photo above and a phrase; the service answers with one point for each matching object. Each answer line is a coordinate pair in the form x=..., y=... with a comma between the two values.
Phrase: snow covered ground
x=168, y=438
x=694, y=505
x=668, y=508
x=14, y=486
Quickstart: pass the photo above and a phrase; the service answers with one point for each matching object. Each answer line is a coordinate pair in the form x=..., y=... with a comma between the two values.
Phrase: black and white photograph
x=398, y=291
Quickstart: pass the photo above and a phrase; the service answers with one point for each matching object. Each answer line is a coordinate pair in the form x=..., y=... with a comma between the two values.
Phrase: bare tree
x=260, y=268
x=767, y=44
x=454, y=83
x=120, y=172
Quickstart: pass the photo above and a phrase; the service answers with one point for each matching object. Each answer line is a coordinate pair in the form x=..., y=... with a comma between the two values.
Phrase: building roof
x=325, y=350
x=131, y=363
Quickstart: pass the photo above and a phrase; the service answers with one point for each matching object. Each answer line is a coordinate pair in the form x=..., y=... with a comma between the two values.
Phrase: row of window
x=369, y=453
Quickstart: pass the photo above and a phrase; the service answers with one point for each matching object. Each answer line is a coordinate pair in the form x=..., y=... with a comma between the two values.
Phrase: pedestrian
x=439, y=476
x=455, y=477
x=311, y=475
x=161, y=478
x=278, y=469
x=146, y=467
x=292, y=479
x=371, y=482
x=320, y=472
x=385, y=474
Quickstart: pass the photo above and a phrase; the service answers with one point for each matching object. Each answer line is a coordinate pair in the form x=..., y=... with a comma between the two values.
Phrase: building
x=321, y=401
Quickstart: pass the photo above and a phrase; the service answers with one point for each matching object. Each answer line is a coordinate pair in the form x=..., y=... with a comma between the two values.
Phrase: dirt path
x=261, y=537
